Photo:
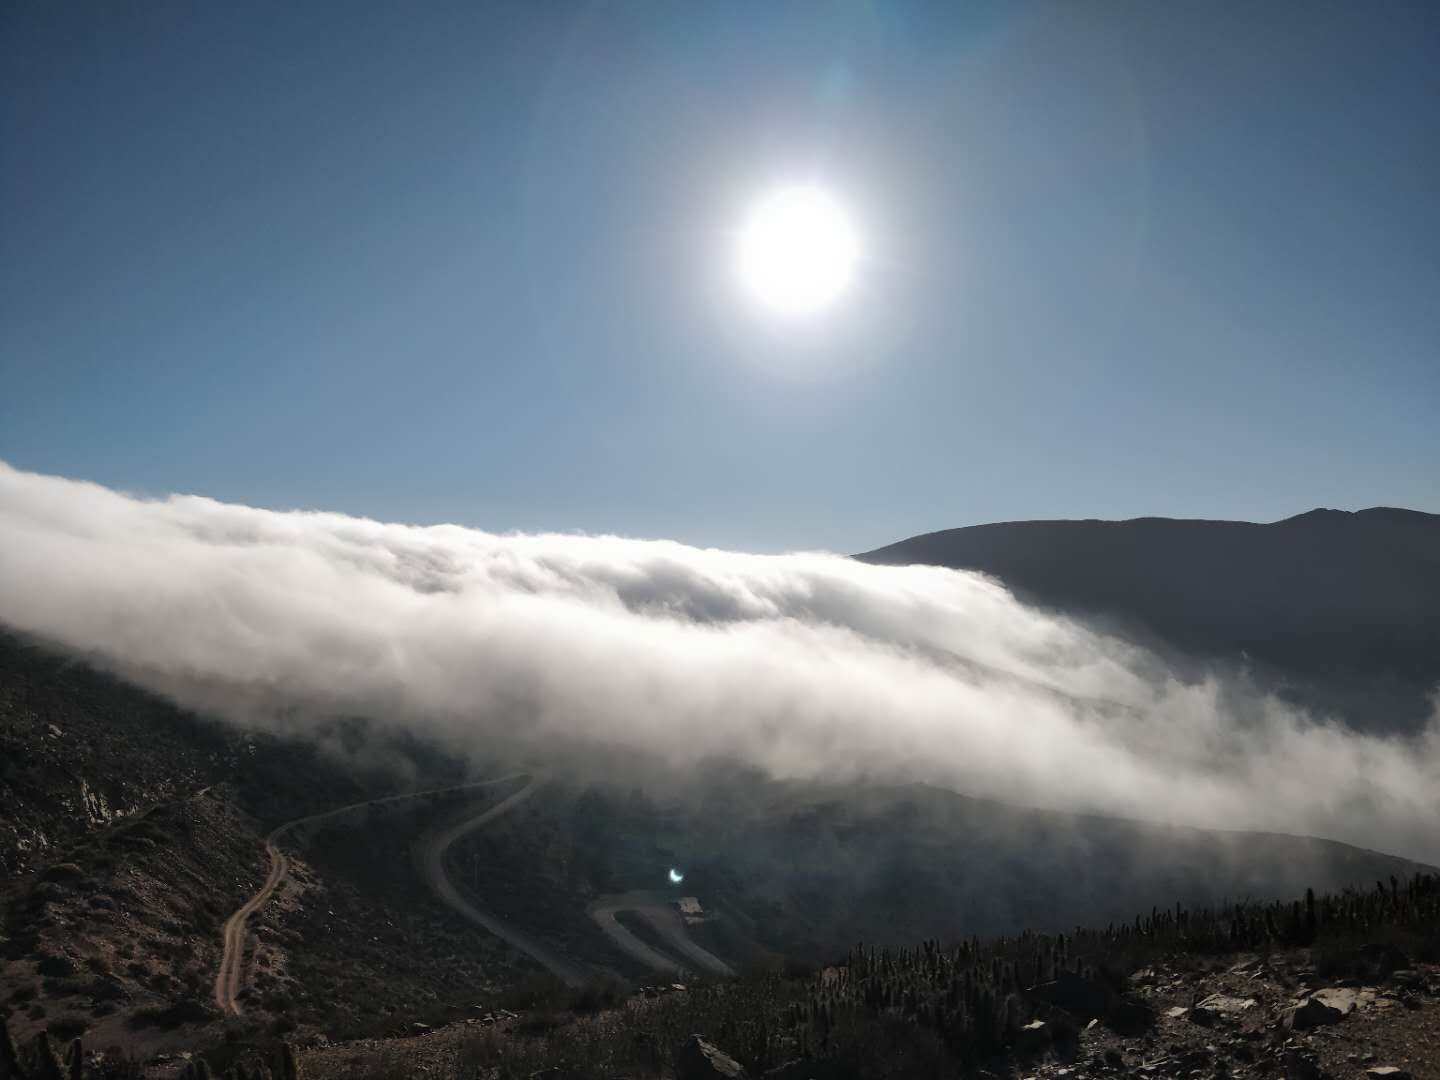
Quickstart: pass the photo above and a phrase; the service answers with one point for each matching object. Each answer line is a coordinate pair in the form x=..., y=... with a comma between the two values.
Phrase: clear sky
x=474, y=262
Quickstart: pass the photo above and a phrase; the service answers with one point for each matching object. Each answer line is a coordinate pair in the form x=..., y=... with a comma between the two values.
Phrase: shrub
x=184, y=1011
x=55, y=965
x=69, y=1027
x=536, y=992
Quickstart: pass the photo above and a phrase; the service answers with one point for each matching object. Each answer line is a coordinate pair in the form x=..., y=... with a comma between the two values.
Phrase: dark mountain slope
x=1346, y=605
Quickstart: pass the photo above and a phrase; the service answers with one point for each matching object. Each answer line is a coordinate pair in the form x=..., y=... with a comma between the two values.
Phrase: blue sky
x=474, y=262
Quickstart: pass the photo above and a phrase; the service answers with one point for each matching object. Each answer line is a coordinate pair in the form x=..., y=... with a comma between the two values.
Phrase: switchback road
x=230, y=978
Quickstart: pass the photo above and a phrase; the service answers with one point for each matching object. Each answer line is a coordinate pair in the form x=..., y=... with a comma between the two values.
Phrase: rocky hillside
x=80, y=750
x=804, y=870
x=137, y=828
x=130, y=830
x=1342, y=987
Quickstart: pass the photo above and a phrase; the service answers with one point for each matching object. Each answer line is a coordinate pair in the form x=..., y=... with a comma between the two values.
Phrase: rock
x=1126, y=1017
x=1386, y=1072
x=1084, y=999
x=1311, y=1013
x=1346, y=999
x=1033, y=1038
x=1224, y=1003
x=1177, y=1012
x=700, y=1060
x=1203, y=1016
x=1300, y=1066
x=791, y=1070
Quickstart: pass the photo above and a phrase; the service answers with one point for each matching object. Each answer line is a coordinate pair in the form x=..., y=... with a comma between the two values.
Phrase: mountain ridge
x=1335, y=608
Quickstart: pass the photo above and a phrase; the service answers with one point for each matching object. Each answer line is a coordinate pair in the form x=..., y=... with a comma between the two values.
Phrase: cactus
x=285, y=1066
x=44, y=1065
x=9, y=1061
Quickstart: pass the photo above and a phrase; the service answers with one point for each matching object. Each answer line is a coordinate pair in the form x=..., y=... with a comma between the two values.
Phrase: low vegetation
x=940, y=1010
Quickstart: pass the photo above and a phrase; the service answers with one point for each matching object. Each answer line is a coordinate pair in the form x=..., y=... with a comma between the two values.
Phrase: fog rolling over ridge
x=1338, y=609
x=805, y=665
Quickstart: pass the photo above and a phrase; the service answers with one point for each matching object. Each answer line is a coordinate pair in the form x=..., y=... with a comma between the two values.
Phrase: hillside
x=129, y=831
x=113, y=901
x=1337, y=607
x=803, y=871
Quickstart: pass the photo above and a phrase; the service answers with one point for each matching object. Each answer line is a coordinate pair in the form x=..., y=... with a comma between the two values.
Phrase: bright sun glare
x=798, y=251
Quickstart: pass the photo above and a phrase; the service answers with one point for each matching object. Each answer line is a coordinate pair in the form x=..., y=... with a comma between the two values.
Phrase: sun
x=798, y=251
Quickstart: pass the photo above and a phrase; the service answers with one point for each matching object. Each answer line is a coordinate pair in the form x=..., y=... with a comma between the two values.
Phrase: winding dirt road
x=667, y=922
x=429, y=857
x=430, y=861
x=230, y=978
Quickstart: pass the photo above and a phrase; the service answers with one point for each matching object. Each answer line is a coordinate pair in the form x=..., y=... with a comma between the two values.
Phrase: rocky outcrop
x=701, y=1060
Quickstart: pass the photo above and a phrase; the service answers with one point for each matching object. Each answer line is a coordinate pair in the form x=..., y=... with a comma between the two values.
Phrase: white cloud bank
x=805, y=665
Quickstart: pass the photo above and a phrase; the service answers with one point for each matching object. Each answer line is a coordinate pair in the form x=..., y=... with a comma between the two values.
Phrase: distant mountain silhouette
x=1340, y=609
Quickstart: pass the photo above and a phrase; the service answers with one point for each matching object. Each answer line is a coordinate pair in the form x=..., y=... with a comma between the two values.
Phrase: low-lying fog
x=805, y=665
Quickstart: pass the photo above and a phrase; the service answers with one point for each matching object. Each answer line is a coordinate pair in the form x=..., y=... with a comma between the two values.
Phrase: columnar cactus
x=285, y=1066
x=44, y=1065
x=9, y=1060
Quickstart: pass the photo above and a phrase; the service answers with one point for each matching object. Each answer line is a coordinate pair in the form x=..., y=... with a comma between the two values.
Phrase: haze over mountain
x=1341, y=610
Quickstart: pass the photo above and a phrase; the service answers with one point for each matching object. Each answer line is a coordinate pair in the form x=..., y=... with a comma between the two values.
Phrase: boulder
x=1084, y=999
x=700, y=1060
x=1301, y=1066
x=1386, y=1072
x=1311, y=1013
x=1128, y=1017
x=1228, y=1005
x=1345, y=998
